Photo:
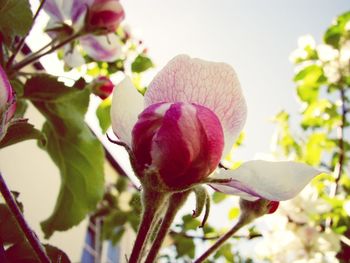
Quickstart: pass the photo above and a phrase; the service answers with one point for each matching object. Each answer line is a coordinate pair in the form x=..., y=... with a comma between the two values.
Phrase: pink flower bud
x=106, y=14
x=182, y=142
x=102, y=87
x=7, y=102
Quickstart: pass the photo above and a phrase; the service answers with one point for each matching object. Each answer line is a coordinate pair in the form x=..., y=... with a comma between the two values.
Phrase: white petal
x=276, y=181
x=210, y=84
x=127, y=104
x=72, y=57
x=102, y=48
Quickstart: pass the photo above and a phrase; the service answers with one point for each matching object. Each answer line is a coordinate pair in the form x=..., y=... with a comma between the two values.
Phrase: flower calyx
x=250, y=210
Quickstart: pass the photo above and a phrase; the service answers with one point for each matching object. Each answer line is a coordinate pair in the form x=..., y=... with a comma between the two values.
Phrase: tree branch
x=22, y=41
x=16, y=212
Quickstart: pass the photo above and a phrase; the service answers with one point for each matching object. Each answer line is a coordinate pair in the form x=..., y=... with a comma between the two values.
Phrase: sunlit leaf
x=15, y=19
x=141, y=64
x=233, y=213
x=103, y=114
x=74, y=149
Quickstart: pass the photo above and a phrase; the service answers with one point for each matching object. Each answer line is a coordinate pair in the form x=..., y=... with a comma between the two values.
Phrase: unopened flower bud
x=254, y=209
x=102, y=87
x=106, y=15
x=7, y=103
x=180, y=143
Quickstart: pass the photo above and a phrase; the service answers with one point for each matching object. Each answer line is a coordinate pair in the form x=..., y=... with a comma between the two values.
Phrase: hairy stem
x=175, y=203
x=152, y=205
x=221, y=240
x=16, y=212
x=22, y=41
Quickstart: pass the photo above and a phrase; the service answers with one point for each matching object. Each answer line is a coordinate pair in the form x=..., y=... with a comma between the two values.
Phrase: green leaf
x=103, y=114
x=334, y=33
x=309, y=80
x=233, y=213
x=316, y=144
x=218, y=197
x=56, y=254
x=190, y=223
x=321, y=113
x=10, y=233
x=21, y=131
x=74, y=149
x=226, y=252
x=16, y=19
x=141, y=64
x=46, y=88
x=184, y=246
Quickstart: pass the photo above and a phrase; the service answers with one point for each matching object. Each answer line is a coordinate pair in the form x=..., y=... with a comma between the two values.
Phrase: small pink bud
x=102, y=87
x=182, y=142
x=272, y=206
x=7, y=102
x=106, y=14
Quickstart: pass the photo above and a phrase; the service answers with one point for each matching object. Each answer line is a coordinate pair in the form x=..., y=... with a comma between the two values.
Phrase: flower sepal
x=250, y=210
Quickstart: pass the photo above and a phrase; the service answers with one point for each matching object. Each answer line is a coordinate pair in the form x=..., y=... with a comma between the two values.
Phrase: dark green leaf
x=56, y=255
x=21, y=252
x=103, y=114
x=10, y=233
x=46, y=88
x=15, y=19
x=21, y=131
x=141, y=64
x=74, y=149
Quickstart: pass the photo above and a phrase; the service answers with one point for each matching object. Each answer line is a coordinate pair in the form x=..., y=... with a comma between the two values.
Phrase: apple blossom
x=7, y=102
x=102, y=87
x=101, y=48
x=106, y=14
x=177, y=145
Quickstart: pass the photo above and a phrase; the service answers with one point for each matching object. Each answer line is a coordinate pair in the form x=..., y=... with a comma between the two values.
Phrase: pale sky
x=256, y=37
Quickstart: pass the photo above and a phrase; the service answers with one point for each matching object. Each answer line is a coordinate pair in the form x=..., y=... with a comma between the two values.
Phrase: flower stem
x=152, y=205
x=175, y=203
x=22, y=41
x=30, y=60
x=242, y=222
x=16, y=212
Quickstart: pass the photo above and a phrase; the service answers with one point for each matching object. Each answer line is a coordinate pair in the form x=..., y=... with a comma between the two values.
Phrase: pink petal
x=6, y=92
x=210, y=84
x=276, y=181
x=102, y=48
x=184, y=142
x=127, y=103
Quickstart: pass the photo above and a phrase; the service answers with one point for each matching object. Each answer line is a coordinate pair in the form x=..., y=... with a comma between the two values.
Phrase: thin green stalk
x=175, y=203
x=152, y=204
x=29, y=234
x=22, y=41
x=221, y=241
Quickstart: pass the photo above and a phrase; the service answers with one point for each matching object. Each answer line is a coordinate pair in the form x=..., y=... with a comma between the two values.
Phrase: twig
x=340, y=164
x=29, y=60
x=22, y=41
x=220, y=241
x=206, y=238
x=16, y=212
